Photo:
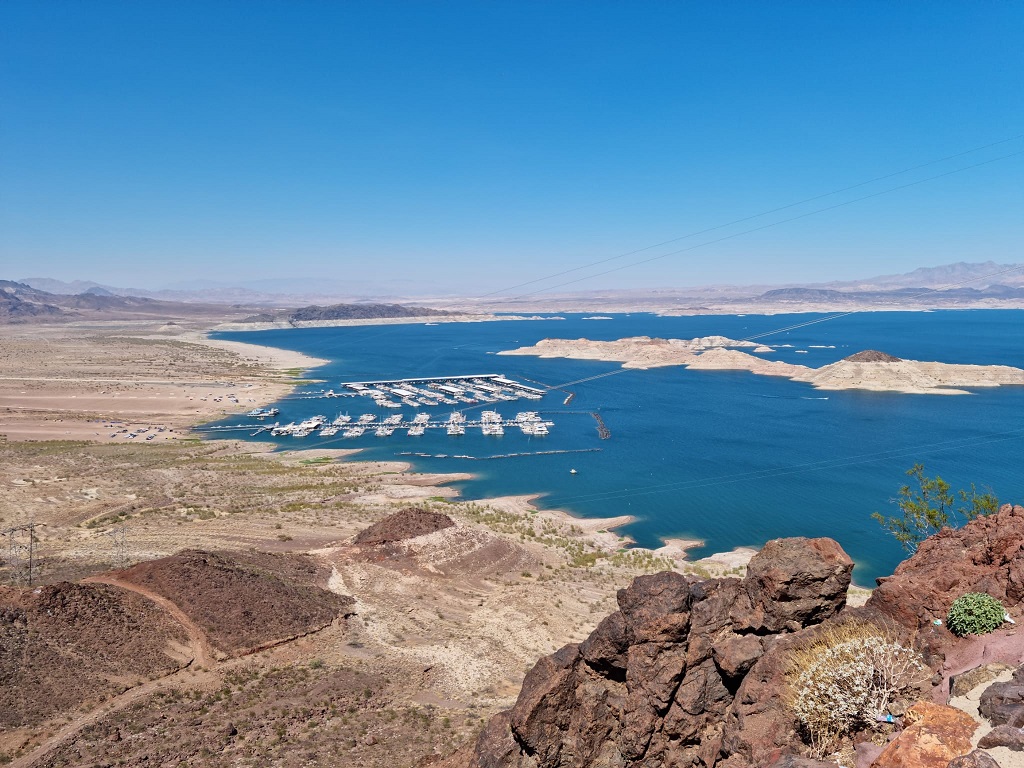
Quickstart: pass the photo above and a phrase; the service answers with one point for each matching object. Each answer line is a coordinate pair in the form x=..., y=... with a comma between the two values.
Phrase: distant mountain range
x=21, y=303
x=284, y=292
x=951, y=283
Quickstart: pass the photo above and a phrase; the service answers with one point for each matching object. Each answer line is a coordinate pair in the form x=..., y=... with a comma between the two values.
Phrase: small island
x=867, y=370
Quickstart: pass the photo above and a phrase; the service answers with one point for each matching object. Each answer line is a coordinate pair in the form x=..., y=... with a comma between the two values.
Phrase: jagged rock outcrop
x=986, y=555
x=692, y=674
x=670, y=677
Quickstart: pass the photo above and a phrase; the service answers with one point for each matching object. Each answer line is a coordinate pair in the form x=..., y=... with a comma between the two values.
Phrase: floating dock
x=490, y=423
x=443, y=390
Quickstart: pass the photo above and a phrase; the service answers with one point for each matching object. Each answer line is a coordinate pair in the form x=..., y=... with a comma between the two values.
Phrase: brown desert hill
x=406, y=524
x=432, y=543
x=242, y=600
x=692, y=673
x=64, y=645
x=871, y=356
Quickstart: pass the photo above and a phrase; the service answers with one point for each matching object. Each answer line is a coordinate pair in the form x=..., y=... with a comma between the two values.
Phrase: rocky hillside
x=314, y=313
x=241, y=600
x=693, y=673
x=100, y=637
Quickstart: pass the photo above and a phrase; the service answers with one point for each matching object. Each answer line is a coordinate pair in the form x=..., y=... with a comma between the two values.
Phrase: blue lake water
x=730, y=458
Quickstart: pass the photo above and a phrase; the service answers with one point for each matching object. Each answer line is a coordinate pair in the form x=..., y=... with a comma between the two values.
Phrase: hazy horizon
x=467, y=148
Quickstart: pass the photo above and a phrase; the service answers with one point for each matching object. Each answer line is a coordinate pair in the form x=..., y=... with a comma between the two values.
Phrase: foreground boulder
x=663, y=681
x=934, y=736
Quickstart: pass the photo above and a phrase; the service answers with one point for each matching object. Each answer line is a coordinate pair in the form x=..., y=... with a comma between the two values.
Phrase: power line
x=752, y=217
x=806, y=323
x=934, y=447
x=766, y=226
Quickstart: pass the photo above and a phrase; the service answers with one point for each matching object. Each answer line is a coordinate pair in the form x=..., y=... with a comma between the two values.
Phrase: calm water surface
x=729, y=458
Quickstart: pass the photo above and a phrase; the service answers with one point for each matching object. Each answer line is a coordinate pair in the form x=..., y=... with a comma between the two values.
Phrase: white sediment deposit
x=868, y=371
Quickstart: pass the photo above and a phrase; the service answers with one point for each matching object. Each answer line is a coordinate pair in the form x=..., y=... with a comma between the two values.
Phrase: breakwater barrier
x=498, y=456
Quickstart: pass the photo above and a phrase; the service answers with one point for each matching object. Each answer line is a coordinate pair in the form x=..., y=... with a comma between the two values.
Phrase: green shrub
x=975, y=614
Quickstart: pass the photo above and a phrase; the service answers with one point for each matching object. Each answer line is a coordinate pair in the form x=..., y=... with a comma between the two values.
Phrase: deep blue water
x=730, y=458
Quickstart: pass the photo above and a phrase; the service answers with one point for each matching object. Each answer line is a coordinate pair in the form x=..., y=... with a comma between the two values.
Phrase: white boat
x=384, y=431
x=342, y=420
x=492, y=428
x=262, y=413
x=421, y=418
x=353, y=431
x=457, y=416
x=490, y=416
x=366, y=418
x=329, y=430
x=416, y=430
x=396, y=419
x=456, y=428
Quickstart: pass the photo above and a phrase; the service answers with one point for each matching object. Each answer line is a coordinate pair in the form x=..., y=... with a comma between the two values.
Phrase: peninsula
x=868, y=370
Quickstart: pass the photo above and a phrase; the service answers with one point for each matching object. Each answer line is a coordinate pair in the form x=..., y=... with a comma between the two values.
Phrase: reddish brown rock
x=653, y=683
x=934, y=735
x=406, y=524
x=1003, y=736
x=1003, y=703
x=975, y=759
x=794, y=583
x=872, y=356
x=986, y=555
x=692, y=674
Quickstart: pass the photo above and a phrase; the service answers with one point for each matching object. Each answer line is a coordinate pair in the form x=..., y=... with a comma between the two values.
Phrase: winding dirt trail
x=204, y=658
x=203, y=653
x=126, y=699
x=206, y=665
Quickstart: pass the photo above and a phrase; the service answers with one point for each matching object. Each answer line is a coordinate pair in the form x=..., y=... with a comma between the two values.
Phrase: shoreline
x=275, y=357
x=264, y=375
x=423, y=320
x=600, y=532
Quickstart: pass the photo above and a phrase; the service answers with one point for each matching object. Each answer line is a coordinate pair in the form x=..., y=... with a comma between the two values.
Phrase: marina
x=490, y=423
x=442, y=390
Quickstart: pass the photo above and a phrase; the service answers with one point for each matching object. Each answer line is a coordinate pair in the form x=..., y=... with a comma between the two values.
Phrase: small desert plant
x=974, y=614
x=845, y=678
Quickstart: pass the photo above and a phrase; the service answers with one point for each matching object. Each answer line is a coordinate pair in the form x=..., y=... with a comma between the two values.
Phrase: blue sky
x=471, y=146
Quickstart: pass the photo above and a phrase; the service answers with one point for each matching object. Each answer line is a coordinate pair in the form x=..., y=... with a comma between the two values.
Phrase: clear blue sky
x=472, y=145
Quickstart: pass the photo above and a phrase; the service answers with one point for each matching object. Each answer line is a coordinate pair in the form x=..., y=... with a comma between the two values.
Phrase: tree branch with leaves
x=929, y=507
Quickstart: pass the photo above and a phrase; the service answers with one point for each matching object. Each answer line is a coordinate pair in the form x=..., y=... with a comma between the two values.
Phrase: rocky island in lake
x=869, y=370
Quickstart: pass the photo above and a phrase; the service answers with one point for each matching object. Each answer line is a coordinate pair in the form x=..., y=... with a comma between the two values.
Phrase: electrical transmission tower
x=119, y=538
x=21, y=543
